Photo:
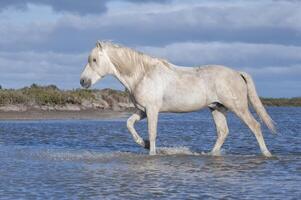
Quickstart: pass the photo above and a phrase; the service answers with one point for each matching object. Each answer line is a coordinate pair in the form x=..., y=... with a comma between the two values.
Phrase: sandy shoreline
x=56, y=115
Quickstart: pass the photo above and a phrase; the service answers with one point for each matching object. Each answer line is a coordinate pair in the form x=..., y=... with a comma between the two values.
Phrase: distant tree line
x=52, y=95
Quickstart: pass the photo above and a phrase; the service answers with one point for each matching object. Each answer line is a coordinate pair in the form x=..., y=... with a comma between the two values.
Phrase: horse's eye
x=94, y=59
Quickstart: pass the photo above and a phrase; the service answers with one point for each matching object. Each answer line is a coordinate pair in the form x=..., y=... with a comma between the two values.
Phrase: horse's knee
x=257, y=127
x=223, y=131
x=130, y=123
x=152, y=137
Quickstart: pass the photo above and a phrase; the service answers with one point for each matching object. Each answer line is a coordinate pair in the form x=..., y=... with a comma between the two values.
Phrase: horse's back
x=213, y=83
x=180, y=89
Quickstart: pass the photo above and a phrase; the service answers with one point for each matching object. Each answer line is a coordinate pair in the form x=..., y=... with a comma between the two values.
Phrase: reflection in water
x=99, y=160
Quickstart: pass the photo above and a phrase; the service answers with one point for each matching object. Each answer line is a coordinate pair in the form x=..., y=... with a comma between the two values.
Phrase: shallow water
x=97, y=159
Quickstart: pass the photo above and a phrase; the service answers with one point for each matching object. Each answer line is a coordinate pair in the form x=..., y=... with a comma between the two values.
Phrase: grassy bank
x=282, y=101
x=51, y=98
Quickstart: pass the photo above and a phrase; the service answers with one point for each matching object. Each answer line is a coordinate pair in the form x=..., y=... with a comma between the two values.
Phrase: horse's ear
x=99, y=45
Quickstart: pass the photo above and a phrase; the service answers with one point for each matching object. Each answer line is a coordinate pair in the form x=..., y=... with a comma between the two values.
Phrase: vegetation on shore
x=51, y=97
x=296, y=101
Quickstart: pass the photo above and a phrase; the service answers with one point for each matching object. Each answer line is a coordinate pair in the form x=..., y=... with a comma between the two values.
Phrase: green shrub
x=12, y=97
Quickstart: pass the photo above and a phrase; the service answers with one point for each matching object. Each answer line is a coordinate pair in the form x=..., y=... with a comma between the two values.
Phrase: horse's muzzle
x=86, y=83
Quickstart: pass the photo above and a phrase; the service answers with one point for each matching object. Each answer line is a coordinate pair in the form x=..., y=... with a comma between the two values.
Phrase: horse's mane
x=129, y=61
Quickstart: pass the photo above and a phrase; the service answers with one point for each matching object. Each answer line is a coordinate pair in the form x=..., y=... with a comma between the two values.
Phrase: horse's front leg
x=152, y=120
x=139, y=115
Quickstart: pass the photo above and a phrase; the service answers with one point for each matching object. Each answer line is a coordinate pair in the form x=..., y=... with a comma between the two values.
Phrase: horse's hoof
x=146, y=144
x=212, y=153
x=267, y=154
x=215, y=153
x=140, y=141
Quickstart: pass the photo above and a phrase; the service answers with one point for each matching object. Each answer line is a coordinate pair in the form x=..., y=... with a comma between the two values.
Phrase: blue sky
x=48, y=41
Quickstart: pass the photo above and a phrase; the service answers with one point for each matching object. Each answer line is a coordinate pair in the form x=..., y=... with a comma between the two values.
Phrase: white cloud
x=261, y=37
x=233, y=54
x=29, y=67
x=156, y=23
x=24, y=68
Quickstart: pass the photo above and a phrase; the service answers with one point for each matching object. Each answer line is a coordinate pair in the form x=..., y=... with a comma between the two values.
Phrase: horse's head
x=97, y=67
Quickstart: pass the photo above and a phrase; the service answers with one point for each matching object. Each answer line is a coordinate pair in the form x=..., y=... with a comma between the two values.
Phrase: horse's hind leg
x=250, y=121
x=130, y=125
x=219, y=116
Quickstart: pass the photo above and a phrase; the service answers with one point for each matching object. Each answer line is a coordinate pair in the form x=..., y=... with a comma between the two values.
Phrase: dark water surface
x=97, y=159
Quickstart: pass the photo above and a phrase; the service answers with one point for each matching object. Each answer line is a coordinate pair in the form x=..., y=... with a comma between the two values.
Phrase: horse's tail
x=256, y=103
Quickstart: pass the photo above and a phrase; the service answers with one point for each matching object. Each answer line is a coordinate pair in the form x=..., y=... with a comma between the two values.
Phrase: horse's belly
x=187, y=100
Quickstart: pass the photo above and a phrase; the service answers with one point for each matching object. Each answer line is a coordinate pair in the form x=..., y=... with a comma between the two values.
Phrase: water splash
x=176, y=151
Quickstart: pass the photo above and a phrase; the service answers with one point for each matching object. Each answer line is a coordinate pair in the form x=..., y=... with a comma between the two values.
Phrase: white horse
x=155, y=85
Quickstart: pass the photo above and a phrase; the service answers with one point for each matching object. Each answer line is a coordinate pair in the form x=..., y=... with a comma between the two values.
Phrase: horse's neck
x=128, y=70
x=130, y=67
x=127, y=82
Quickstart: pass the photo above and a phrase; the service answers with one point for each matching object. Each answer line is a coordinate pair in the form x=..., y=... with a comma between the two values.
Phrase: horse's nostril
x=85, y=82
x=82, y=81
